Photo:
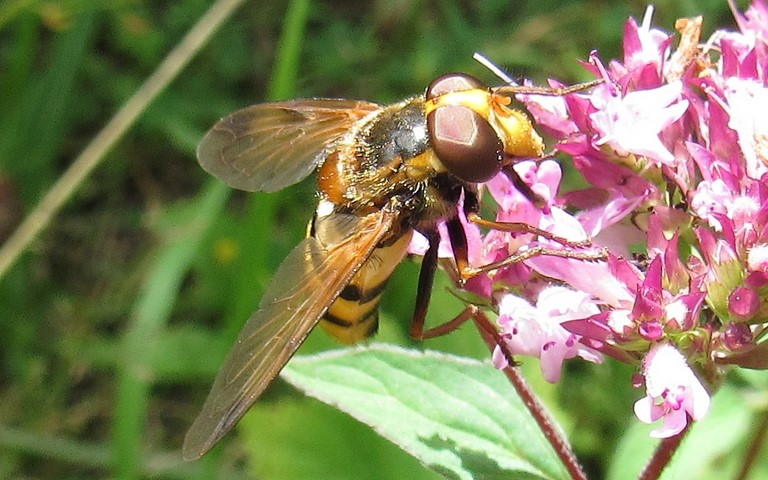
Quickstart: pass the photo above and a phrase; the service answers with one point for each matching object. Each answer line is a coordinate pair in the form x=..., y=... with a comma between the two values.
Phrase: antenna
x=513, y=88
x=493, y=68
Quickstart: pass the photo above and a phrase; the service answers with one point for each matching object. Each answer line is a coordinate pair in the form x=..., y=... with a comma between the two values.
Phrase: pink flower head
x=672, y=150
x=673, y=392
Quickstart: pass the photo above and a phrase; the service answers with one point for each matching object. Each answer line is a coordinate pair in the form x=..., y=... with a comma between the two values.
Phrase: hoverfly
x=383, y=173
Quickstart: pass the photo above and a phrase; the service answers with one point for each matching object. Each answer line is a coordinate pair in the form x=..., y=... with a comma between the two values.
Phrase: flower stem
x=662, y=456
x=546, y=423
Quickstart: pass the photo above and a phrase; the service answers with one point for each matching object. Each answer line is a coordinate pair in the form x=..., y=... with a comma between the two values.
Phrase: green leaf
x=458, y=416
x=298, y=438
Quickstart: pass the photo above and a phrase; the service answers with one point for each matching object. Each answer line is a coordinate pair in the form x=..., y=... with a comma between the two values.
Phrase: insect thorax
x=390, y=155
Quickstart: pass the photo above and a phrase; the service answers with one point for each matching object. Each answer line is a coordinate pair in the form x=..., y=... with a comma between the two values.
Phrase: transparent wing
x=304, y=286
x=269, y=146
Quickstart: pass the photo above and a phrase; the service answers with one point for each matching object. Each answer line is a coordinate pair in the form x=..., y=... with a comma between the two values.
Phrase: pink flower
x=536, y=331
x=711, y=198
x=645, y=50
x=632, y=124
x=757, y=259
x=673, y=393
x=746, y=100
x=753, y=23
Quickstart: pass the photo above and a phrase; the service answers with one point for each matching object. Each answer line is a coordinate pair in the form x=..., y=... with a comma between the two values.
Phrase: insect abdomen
x=354, y=315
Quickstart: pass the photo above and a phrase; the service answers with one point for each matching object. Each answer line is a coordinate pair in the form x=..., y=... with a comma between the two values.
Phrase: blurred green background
x=114, y=323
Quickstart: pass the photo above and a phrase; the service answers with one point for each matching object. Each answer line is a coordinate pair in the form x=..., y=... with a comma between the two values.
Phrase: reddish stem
x=662, y=456
x=546, y=423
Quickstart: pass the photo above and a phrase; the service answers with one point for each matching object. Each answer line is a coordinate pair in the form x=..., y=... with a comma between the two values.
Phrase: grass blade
x=150, y=315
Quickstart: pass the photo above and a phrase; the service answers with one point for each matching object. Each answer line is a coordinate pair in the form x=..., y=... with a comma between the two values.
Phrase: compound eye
x=453, y=82
x=465, y=143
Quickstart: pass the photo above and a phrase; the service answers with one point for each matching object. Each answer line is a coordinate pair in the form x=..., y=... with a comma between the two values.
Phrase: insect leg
x=426, y=278
x=522, y=255
x=424, y=292
x=516, y=227
x=471, y=208
x=488, y=331
x=451, y=325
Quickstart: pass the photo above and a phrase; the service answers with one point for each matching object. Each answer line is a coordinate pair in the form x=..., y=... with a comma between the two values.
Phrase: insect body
x=383, y=173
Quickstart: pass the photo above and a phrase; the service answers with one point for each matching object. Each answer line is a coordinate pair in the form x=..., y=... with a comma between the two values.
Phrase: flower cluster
x=673, y=148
